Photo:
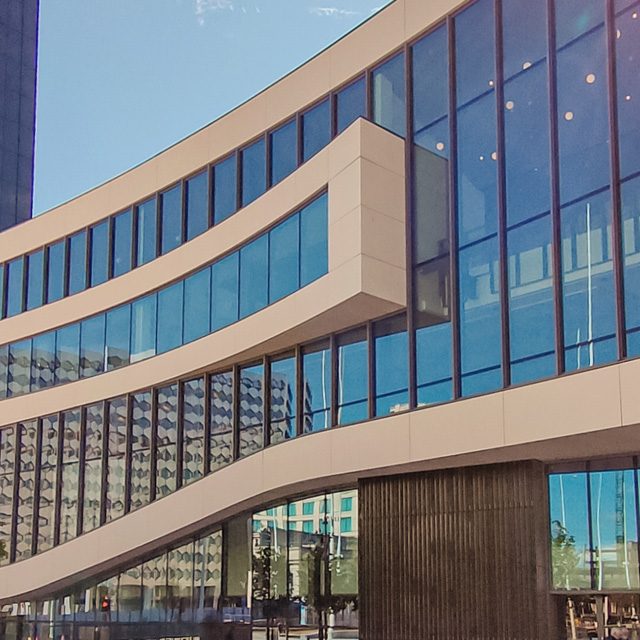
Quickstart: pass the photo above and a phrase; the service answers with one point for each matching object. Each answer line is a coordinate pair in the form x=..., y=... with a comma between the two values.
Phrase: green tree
x=3, y=550
x=564, y=557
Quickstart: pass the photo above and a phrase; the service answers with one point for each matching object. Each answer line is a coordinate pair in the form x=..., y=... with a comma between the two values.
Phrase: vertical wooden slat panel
x=455, y=554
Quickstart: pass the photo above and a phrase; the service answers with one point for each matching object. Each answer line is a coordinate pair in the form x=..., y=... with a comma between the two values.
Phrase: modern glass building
x=357, y=360
x=18, y=46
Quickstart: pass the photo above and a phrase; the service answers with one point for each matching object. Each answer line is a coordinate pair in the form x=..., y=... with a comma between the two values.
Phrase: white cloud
x=203, y=7
x=332, y=12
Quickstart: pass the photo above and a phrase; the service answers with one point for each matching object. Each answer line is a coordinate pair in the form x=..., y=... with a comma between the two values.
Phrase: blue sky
x=120, y=80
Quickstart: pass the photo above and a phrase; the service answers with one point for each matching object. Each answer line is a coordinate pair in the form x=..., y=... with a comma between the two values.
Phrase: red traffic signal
x=105, y=604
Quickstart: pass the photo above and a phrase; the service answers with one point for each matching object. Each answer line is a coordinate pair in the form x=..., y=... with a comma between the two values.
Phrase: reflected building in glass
x=357, y=360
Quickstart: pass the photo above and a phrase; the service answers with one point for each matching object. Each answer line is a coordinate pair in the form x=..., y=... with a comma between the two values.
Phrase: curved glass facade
x=291, y=255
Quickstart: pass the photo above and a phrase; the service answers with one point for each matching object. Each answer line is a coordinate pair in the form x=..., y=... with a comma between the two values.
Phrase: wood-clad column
x=455, y=554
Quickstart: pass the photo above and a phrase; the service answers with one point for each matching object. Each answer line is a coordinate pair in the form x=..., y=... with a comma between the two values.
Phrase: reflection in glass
x=251, y=408
x=225, y=189
x=15, y=287
x=197, y=205
x=43, y=361
x=193, y=411
x=254, y=171
x=70, y=473
x=316, y=387
x=225, y=297
x=99, y=238
x=254, y=272
x=221, y=412
x=55, y=270
x=116, y=451
x=284, y=259
x=630, y=194
x=77, y=262
x=48, y=482
x=67, y=353
x=353, y=377
x=7, y=473
x=92, y=336
x=171, y=219
x=197, y=303
x=283, y=400
x=27, y=460
x=147, y=222
x=391, y=366
x=180, y=583
x=388, y=95
x=314, y=229
x=166, y=440
x=19, y=369
x=121, y=243
x=143, y=328
x=140, y=449
x=284, y=151
x=118, y=334
x=154, y=589
x=316, y=129
x=35, y=279
x=351, y=104
x=169, y=323
x=587, y=283
x=92, y=482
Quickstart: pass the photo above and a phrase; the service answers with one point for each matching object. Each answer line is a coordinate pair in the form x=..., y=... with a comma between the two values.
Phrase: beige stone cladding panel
x=366, y=278
x=507, y=425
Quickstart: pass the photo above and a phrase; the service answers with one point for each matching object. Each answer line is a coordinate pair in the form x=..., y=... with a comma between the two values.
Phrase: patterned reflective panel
x=70, y=470
x=94, y=442
x=207, y=572
x=141, y=449
x=4, y=369
x=48, y=470
x=283, y=400
x=167, y=436
x=26, y=488
x=180, y=583
x=154, y=579
x=251, y=410
x=7, y=467
x=117, y=449
x=193, y=425
x=43, y=361
x=19, y=368
x=221, y=419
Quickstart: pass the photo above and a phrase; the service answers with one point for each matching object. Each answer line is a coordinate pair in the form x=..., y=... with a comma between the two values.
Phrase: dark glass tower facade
x=18, y=56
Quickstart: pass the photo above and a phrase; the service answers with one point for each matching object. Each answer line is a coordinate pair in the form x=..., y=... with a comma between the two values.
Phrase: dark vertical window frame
x=554, y=169
x=3, y=291
x=104, y=484
x=16, y=493
x=614, y=164
x=267, y=160
x=134, y=235
x=453, y=213
x=36, y=489
x=409, y=237
x=183, y=210
x=157, y=199
x=333, y=114
x=207, y=425
x=128, y=455
x=180, y=434
x=235, y=418
x=66, y=268
x=333, y=347
x=45, y=277
x=299, y=390
x=238, y=158
x=502, y=195
x=211, y=186
x=81, y=470
x=371, y=371
x=111, y=225
x=266, y=402
x=58, y=496
x=153, y=441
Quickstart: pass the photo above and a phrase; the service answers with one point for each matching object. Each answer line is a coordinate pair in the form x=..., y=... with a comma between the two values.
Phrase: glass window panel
x=587, y=283
x=391, y=366
x=353, y=377
x=574, y=18
x=614, y=529
x=197, y=303
x=628, y=87
x=99, y=253
x=140, y=449
x=207, y=577
x=351, y=104
x=27, y=457
x=7, y=467
x=35, y=284
x=147, y=223
x=15, y=286
x=43, y=361
x=316, y=129
x=130, y=598
x=171, y=216
x=531, y=303
x=254, y=171
x=631, y=251
x=254, y=265
x=225, y=189
x=193, y=409
x=166, y=440
x=251, y=407
x=143, y=328
x=197, y=195
x=475, y=57
x=477, y=206
x=122, y=237
x=92, y=335
x=48, y=481
x=67, y=353
x=94, y=443
x=283, y=400
x=314, y=252
x=55, y=270
x=316, y=387
x=433, y=363
x=284, y=259
x=4, y=370
x=568, y=513
x=19, y=374
x=154, y=589
x=284, y=151
x=526, y=111
x=77, y=262
x=116, y=450
x=583, y=122
x=118, y=333
x=388, y=87
x=221, y=410
x=180, y=583
x=170, y=310
x=480, y=318
x=70, y=472
x=225, y=276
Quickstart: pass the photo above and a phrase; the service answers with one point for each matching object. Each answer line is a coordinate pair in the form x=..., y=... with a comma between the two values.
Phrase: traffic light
x=105, y=604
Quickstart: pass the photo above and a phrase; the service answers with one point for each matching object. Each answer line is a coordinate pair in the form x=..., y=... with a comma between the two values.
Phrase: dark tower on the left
x=18, y=60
